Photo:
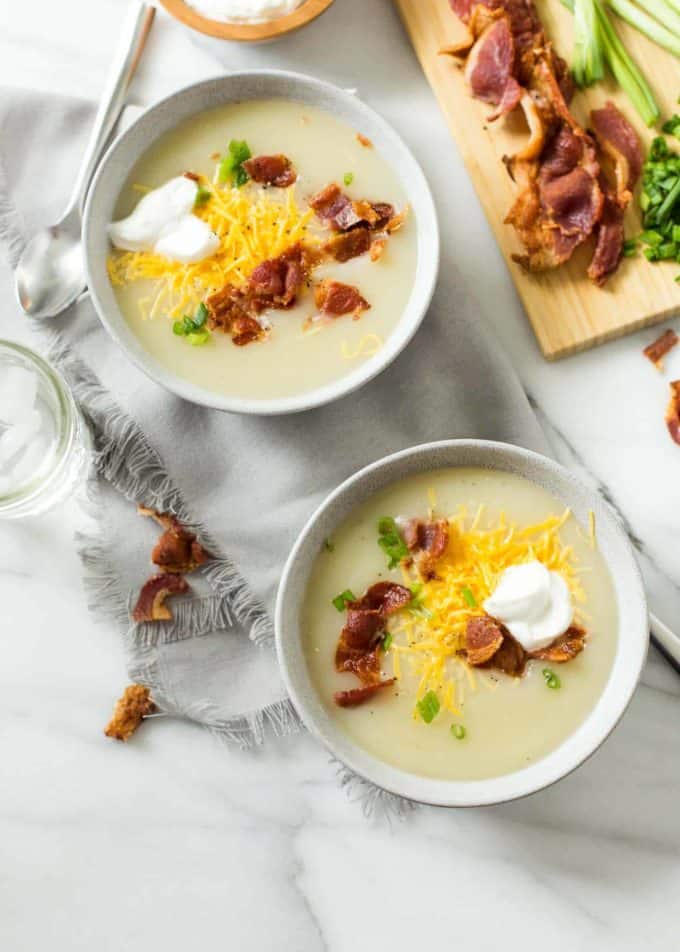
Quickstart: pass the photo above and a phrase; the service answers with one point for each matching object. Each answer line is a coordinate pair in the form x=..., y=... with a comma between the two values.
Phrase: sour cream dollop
x=244, y=11
x=163, y=222
x=533, y=603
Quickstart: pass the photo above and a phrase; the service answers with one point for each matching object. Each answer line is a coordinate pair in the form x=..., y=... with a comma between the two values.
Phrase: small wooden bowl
x=247, y=32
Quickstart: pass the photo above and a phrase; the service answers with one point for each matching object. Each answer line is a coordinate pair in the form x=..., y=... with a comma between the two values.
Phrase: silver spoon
x=50, y=273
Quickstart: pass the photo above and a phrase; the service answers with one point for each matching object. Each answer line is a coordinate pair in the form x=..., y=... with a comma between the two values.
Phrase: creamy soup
x=443, y=717
x=302, y=348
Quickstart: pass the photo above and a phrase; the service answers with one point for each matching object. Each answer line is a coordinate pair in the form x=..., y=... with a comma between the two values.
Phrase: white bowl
x=616, y=550
x=239, y=87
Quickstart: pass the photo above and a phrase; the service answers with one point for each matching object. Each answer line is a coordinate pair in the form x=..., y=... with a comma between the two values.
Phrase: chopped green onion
x=391, y=542
x=201, y=315
x=469, y=597
x=203, y=195
x=428, y=707
x=458, y=731
x=387, y=641
x=198, y=338
x=551, y=679
x=231, y=165
x=652, y=238
x=348, y=178
x=672, y=125
x=340, y=601
x=193, y=327
x=629, y=248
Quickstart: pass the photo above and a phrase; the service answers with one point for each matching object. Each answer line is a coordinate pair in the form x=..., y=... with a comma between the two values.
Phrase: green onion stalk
x=622, y=67
x=665, y=33
x=588, y=62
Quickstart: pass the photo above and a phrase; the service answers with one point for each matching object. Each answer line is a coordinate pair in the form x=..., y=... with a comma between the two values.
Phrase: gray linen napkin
x=247, y=483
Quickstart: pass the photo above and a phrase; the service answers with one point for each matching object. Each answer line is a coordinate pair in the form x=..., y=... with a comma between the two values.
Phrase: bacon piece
x=490, y=645
x=657, y=350
x=428, y=539
x=349, y=244
x=483, y=638
x=335, y=299
x=151, y=602
x=177, y=550
x=130, y=710
x=275, y=282
x=341, y=213
x=564, y=648
x=358, y=649
x=511, y=658
x=560, y=201
x=275, y=170
x=378, y=249
x=619, y=141
x=673, y=412
x=245, y=330
x=192, y=176
x=357, y=696
x=333, y=206
x=609, y=237
x=363, y=624
x=489, y=68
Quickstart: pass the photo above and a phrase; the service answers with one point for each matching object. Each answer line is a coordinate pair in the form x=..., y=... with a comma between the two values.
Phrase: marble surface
x=173, y=842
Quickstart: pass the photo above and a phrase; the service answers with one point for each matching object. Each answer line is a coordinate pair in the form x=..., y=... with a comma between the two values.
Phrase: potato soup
x=269, y=224
x=484, y=600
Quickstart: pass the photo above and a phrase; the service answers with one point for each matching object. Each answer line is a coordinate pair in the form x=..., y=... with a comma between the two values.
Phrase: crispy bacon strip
x=356, y=696
x=673, y=412
x=657, y=350
x=620, y=143
x=151, y=602
x=275, y=170
x=130, y=710
x=177, y=550
x=564, y=648
x=620, y=146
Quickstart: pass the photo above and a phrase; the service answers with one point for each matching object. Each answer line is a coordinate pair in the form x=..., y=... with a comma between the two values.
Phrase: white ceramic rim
x=412, y=180
x=630, y=655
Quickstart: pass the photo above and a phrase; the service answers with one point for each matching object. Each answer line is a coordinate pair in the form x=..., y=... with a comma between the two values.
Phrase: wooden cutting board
x=567, y=312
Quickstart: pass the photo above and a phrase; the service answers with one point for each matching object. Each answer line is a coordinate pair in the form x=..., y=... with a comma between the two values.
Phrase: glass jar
x=45, y=445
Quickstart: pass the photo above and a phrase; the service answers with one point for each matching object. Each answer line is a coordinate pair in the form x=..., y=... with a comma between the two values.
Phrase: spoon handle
x=666, y=641
x=136, y=28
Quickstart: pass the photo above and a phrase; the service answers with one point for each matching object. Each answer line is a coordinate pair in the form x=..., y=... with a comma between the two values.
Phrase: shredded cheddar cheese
x=252, y=226
x=429, y=638
x=369, y=345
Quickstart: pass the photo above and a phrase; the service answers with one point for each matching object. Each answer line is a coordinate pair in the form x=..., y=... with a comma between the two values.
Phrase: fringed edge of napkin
x=124, y=458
